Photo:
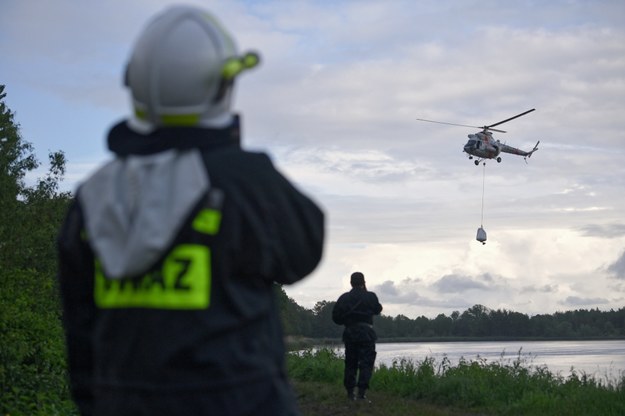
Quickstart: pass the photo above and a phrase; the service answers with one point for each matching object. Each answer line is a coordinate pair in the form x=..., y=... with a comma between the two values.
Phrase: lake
x=603, y=360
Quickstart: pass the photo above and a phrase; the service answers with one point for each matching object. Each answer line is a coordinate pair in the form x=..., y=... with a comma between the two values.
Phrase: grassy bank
x=437, y=388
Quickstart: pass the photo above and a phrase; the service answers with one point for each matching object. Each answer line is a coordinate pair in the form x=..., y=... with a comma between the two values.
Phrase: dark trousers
x=359, y=360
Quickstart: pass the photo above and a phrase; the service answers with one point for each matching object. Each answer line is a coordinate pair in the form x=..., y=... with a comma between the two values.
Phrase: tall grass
x=325, y=365
x=501, y=387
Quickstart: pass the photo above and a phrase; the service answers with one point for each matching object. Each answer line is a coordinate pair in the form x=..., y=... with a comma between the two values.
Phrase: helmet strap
x=224, y=87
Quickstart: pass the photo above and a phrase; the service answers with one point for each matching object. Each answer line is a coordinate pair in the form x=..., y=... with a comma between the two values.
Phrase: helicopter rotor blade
x=449, y=124
x=462, y=125
x=497, y=130
x=508, y=119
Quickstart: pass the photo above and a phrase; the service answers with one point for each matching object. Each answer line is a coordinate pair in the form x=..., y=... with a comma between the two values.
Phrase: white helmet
x=182, y=69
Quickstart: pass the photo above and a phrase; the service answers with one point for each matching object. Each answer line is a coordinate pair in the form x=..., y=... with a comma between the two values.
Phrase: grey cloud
x=367, y=166
x=540, y=289
x=575, y=301
x=548, y=289
x=617, y=287
x=387, y=288
x=604, y=231
x=617, y=269
x=402, y=293
x=458, y=284
x=405, y=293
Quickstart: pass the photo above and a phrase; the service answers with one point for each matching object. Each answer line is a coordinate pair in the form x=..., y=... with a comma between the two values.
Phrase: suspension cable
x=483, y=188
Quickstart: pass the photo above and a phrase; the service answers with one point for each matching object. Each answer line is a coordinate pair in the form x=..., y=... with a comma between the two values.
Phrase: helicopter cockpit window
x=472, y=143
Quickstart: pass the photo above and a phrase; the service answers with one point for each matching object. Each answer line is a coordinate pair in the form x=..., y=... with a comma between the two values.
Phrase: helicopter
x=483, y=146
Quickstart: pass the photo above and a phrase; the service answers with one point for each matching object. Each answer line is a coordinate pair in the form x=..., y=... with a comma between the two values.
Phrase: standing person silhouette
x=169, y=253
x=355, y=309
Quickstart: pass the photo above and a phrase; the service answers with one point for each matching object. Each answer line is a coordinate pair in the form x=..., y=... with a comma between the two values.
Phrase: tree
x=16, y=159
x=323, y=326
x=32, y=354
x=422, y=326
x=29, y=216
x=404, y=326
x=475, y=321
x=455, y=315
x=296, y=320
x=384, y=326
x=542, y=325
x=441, y=326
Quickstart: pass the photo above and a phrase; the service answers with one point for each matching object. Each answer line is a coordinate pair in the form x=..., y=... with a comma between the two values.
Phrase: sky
x=335, y=104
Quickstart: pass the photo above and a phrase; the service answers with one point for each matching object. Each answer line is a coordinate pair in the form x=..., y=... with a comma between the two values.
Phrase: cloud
x=548, y=288
x=613, y=230
x=577, y=301
x=406, y=293
x=460, y=284
x=617, y=269
x=334, y=103
x=366, y=165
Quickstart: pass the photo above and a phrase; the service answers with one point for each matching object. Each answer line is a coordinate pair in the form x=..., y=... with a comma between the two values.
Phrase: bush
x=33, y=374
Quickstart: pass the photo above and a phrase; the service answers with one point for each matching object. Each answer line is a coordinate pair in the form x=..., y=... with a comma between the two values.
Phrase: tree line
x=477, y=321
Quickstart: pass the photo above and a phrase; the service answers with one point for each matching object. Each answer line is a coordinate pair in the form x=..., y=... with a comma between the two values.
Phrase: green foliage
x=322, y=325
x=476, y=322
x=502, y=387
x=405, y=378
x=32, y=354
x=16, y=158
x=296, y=320
x=316, y=365
x=32, y=360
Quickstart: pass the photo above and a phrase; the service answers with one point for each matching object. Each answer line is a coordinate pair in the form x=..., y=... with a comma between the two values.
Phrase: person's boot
x=362, y=395
x=350, y=394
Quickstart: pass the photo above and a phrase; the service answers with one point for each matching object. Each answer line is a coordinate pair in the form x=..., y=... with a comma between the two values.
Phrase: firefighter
x=355, y=309
x=170, y=253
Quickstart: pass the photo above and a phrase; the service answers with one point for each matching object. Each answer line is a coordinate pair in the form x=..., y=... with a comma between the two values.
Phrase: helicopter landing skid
x=478, y=161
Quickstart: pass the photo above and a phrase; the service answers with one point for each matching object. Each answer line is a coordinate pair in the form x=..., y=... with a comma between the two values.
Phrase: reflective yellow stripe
x=171, y=119
x=184, y=282
x=180, y=119
x=207, y=221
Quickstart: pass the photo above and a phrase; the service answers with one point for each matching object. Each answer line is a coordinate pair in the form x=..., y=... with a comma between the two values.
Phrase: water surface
x=601, y=359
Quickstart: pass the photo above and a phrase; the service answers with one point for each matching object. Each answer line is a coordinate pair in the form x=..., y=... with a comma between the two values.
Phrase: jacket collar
x=124, y=141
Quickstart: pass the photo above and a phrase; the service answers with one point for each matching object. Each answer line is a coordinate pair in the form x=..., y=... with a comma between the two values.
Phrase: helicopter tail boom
x=513, y=150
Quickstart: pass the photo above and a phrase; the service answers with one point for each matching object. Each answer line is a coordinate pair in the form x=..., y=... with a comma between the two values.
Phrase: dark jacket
x=196, y=331
x=355, y=309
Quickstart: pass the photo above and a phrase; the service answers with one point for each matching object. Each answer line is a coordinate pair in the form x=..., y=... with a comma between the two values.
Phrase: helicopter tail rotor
x=529, y=154
x=534, y=149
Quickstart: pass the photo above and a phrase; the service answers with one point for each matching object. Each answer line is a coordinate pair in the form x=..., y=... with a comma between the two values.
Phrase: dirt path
x=322, y=399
